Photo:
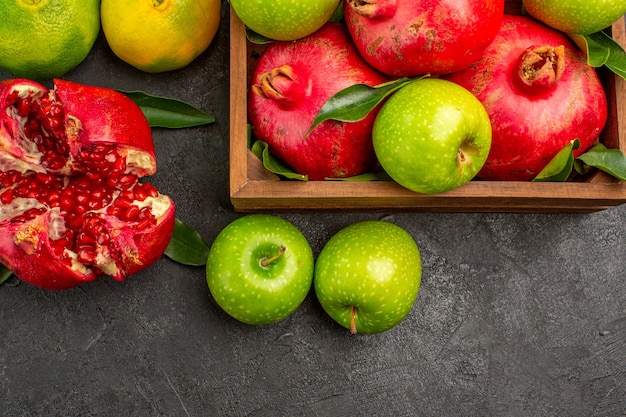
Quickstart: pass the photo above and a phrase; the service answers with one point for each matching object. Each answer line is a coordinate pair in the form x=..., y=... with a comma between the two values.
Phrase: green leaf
x=249, y=137
x=602, y=50
x=168, y=112
x=612, y=161
x=354, y=103
x=5, y=274
x=257, y=38
x=273, y=164
x=560, y=167
x=187, y=246
x=338, y=14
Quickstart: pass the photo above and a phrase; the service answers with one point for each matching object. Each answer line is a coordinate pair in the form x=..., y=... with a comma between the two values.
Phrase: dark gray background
x=517, y=315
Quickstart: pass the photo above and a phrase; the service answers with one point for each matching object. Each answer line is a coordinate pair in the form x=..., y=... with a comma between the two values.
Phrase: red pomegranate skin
x=291, y=83
x=71, y=206
x=106, y=115
x=407, y=38
x=534, y=118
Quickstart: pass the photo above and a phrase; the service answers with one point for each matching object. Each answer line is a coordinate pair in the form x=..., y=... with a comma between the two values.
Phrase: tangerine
x=159, y=35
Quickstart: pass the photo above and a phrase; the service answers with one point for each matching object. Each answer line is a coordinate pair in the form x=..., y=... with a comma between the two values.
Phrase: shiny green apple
x=367, y=276
x=582, y=17
x=259, y=268
x=432, y=136
x=284, y=20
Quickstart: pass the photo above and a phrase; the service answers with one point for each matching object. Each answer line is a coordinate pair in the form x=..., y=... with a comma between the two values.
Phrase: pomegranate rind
x=319, y=65
x=531, y=127
x=150, y=246
x=102, y=115
x=25, y=250
x=407, y=38
x=140, y=249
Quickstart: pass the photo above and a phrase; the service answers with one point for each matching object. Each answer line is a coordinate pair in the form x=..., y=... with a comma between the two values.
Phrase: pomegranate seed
x=57, y=247
x=55, y=111
x=94, y=205
x=119, y=165
x=114, y=211
x=23, y=108
x=85, y=238
x=140, y=194
x=152, y=191
x=82, y=183
x=75, y=221
x=22, y=189
x=82, y=199
x=145, y=223
x=123, y=202
x=98, y=194
x=67, y=261
x=7, y=196
x=32, y=126
x=9, y=178
x=131, y=213
x=45, y=179
x=66, y=203
x=127, y=179
x=32, y=213
x=111, y=182
x=86, y=256
x=103, y=239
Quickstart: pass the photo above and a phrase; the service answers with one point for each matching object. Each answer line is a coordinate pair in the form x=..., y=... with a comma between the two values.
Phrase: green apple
x=284, y=20
x=259, y=268
x=367, y=276
x=432, y=136
x=582, y=17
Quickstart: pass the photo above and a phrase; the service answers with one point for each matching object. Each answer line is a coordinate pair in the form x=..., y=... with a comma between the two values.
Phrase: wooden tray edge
x=253, y=193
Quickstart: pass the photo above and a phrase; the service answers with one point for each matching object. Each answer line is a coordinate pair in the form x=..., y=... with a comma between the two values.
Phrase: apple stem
x=353, y=321
x=265, y=261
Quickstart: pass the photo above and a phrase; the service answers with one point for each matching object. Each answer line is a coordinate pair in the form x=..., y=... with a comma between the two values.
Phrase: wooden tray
x=253, y=188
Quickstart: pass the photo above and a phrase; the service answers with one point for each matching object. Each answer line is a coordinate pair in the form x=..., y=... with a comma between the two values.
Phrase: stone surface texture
x=517, y=315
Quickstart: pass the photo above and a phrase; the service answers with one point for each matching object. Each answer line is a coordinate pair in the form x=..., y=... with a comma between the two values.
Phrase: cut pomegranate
x=72, y=207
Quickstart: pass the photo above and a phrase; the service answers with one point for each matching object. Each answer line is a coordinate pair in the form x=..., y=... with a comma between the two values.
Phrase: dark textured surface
x=518, y=315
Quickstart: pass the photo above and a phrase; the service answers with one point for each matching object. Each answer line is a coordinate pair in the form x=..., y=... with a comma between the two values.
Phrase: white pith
x=137, y=161
x=160, y=204
x=30, y=159
x=17, y=207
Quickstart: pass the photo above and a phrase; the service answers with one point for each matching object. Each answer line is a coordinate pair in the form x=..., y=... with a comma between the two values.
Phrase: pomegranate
x=406, y=38
x=540, y=94
x=291, y=83
x=71, y=204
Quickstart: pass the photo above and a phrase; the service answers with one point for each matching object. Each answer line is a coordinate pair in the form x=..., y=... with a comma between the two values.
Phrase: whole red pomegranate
x=71, y=204
x=540, y=94
x=406, y=38
x=291, y=83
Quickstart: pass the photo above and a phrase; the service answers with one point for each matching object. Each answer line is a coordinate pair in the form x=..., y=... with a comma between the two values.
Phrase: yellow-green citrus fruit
x=42, y=39
x=159, y=35
x=582, y=17
x=284, y=20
